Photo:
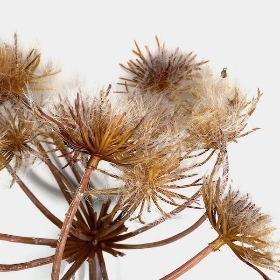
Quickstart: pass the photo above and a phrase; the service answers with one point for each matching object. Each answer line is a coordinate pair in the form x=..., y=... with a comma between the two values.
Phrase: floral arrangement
x=167, y=118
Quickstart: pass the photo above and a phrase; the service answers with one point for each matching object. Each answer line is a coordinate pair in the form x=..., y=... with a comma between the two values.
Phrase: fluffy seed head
x=101, y=128
x=241, y=225
x=19, y=135
x=18, y=71
x=153, y=182
x=164, y=71
x=218, y=114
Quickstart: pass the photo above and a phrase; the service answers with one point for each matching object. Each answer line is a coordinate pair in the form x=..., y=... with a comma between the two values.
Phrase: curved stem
x=61, y=180
x=265, y=277
x=158, y=221
x=39, y=205
x=25, y=265
x=189, y=264
x=65, y=229
x=161, y=242
x=29, y=264
x=34, y=200
x=28, y=240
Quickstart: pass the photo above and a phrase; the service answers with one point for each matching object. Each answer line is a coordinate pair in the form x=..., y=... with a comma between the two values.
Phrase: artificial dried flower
x=152, y=182
x=19, y=71
x=241, y=225
x=93, y=233
x=218, y=114
x=100, y=128
x=20, y=133
x=164, y=71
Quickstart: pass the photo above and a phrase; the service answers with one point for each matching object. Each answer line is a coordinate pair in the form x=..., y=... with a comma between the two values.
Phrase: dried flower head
x=18, y=71
x=218, y=114
x=241, y=225
x=100, y=128
x=164, y=70
x=152, y=182
x=20, y=133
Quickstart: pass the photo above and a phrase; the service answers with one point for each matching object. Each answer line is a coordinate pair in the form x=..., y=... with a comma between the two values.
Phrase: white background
x=90, y=38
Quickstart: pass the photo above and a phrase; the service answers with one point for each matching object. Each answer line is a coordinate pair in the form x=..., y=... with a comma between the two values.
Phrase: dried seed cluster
x=174, y=118
x=240, y=224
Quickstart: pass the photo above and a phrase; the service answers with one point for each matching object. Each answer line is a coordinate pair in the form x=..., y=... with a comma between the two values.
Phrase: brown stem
x=25, y=265
x=34, y=200
x=76, y=265
x=111, y=251
x=102, y=265
x=161, y=242
x=38, y=204
x=63, y=184
x=94, y=269
x=29, y=264
x=265, y=277
x=61, y=180
x=116, y=225
x=70, y=160
x=90, y=211
x=70, y=216
x=158, y=221
x=189, y=264
x=28, y=240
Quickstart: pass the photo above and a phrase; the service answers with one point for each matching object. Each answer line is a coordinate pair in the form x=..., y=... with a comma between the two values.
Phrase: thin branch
x=62, y=182
x=102, y=264
x=94, y=268
x=189, y=264
x=265, y=277
x=158, y=221
x=68, y=222
x=34, y=200
x=26, y=265
x=76, y=265
x=28, y=240
x=161, y=242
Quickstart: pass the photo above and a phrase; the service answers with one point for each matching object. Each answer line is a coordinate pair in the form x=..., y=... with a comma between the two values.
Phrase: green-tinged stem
x=28, y=240
x=161, y=242
x=65, y=229
x=189, y=264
